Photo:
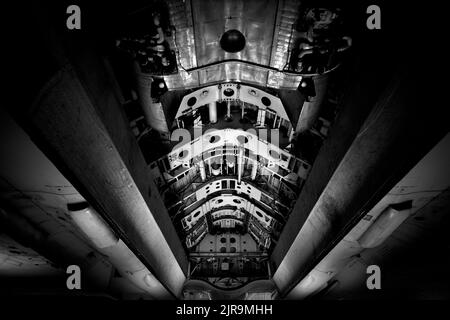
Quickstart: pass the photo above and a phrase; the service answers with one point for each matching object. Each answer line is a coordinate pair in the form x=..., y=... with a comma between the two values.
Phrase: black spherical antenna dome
x=232, y=41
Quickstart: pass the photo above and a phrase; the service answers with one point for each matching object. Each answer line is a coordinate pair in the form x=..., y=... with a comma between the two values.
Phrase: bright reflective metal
x=254, y=18
x=266, y=25
x=183, y=36
x=287, y=15
x=233, y=72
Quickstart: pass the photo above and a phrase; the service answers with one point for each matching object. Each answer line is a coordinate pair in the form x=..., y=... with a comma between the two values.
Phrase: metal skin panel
x=232, y=71
x=282, y=39
x=183, y=36
x=255, y=19
x=267, y=29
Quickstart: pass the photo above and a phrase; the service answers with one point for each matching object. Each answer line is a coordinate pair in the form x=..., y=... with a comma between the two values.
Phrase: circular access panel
x=191, y=101
x=214, y=139
x=242, y=139
x=266, y=101
x=228, y=92
x=232, y=41
x=274, y=154
x=183, y=154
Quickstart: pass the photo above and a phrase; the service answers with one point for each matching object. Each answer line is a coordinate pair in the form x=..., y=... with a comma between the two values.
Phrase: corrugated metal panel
x=287, y=15
x=232, y=71
x=282, y=80
x=183, y=38
x=182, y=80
